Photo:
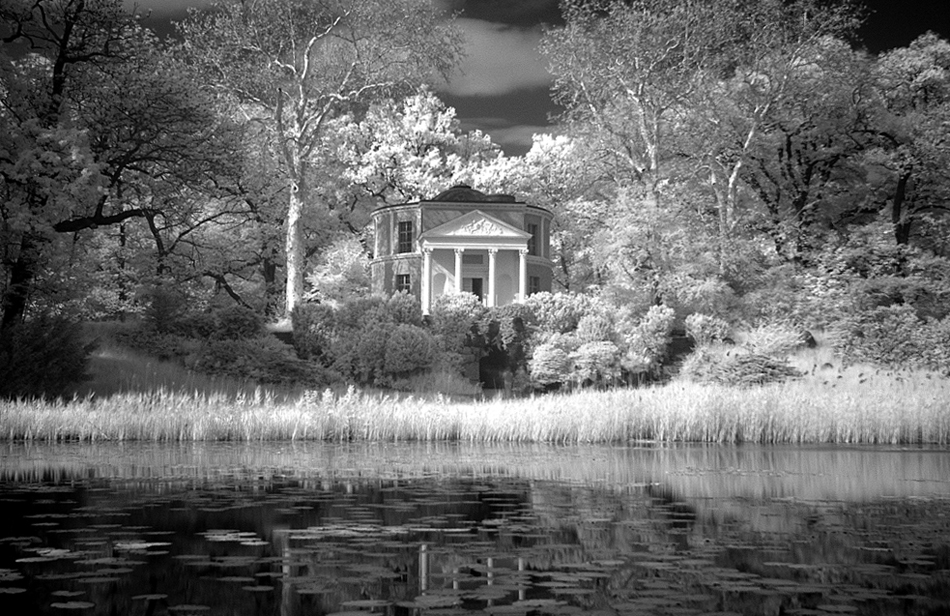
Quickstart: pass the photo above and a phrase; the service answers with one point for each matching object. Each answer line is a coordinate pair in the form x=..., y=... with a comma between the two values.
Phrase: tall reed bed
x=890, y=409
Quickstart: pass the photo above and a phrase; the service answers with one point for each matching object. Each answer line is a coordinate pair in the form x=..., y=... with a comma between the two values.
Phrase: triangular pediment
x=476, y=224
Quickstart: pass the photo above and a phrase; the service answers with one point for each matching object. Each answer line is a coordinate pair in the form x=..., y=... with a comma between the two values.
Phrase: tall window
x=405, y=236
x=533, y=240
x=534, y=285
x=403, y=283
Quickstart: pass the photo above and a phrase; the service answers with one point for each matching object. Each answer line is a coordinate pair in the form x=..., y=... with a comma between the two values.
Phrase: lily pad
x=73, y=605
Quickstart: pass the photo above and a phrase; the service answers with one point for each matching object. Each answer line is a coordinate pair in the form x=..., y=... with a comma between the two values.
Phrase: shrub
x=237, y=323
x=263, y=360
x=549, y=364
x=42, y=357
x=705, y=329
x=710, y=365
x=454, y=320
x=353, y=314
x=195, y=325
x=409, y=349
x=165, y=307
x=774, y=339
x=647, y=342
x=367, y=363
x=507, y=326
x=404, y=308
x=886, y=335
x=313, y=331
x=595, y=327
x=596, y=363
x=558, y=313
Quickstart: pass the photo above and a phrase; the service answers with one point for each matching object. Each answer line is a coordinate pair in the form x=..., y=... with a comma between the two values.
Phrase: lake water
x=311, y=528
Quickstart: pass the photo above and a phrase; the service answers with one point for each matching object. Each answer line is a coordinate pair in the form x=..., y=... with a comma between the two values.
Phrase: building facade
x=462, y=241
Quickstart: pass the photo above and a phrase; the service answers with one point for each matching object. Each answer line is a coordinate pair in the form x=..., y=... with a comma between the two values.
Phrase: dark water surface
x=310, y=529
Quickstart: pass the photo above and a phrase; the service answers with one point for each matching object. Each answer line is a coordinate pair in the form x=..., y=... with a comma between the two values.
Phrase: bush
x=404, y=308
x=886, y=335
x=596, y=363
x=710, y=365
x=549, y=365
x=237, y=323
x=263, y=360
x=705, y=329
x=313, y=331
x=454, y=320
x=595, y=327
x=42, y=357
x=648, y=341
x=409, y=349
x=369, y=365
x=353, y=314
x=774, y=339
x=166, y=306
x=558, y=313
x=196, y=325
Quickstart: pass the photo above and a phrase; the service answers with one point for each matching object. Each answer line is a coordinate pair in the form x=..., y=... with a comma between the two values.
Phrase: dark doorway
x=477, y=288
x=492, y=369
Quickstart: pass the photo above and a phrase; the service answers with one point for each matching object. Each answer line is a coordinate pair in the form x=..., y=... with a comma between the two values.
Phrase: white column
x=492, y=254
x=458, y=269
x=426, y=299
x=522, y=274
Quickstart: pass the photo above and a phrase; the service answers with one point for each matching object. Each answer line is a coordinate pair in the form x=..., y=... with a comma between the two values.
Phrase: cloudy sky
x=504, y=87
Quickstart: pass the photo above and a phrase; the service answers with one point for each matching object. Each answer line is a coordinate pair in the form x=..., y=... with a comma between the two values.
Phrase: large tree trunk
x=294, y=249
x=21, y=279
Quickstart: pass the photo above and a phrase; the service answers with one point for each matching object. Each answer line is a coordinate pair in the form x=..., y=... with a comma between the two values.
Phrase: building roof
x=467, y=194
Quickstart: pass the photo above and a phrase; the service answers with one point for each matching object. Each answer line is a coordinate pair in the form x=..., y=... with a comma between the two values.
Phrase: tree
x=414, y=148
x=623, y=71
x=802, y=172
x=913, y=86
x=301, y=63
x=673, y=98
x=99, y=121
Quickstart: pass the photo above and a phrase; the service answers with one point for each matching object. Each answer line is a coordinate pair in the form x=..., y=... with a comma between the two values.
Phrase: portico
x=486, y=240
x=463, y=241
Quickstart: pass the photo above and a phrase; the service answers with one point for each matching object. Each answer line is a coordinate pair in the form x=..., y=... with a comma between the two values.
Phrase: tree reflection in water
x=408, y=530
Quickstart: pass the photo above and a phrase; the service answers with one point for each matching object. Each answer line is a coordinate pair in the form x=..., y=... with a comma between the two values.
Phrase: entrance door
x=473, y=286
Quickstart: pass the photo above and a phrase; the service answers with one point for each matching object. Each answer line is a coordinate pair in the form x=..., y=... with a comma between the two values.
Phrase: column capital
x=459, y=251
x=493, y=251
x=427, y=250
x=523, y=251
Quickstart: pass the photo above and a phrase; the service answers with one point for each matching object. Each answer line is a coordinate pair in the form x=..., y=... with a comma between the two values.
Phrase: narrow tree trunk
x=271, y=288
x=899, y=217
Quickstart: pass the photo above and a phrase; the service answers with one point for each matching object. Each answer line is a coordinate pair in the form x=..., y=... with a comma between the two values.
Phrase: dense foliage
x=750, y=173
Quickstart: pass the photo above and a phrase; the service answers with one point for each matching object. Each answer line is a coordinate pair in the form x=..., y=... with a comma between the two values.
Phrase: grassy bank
x=133, y=397
x=835, y=407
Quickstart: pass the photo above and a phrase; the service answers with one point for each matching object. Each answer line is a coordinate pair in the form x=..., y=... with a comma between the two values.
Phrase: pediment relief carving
x=478, y=226
x=475, y=224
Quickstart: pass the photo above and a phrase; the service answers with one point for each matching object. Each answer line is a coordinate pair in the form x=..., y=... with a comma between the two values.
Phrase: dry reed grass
x=893, y=409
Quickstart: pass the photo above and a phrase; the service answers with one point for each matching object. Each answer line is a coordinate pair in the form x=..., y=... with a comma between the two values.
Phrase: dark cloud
x=521, y=13
x=499, y=60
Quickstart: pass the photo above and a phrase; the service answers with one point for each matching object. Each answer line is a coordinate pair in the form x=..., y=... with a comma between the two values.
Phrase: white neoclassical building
x=463, y=241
